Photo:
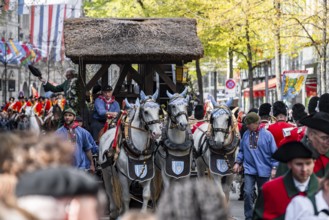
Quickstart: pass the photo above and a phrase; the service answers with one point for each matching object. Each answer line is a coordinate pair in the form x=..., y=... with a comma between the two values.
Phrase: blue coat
x=257, y=161
x=84, y=143
x=100, y=109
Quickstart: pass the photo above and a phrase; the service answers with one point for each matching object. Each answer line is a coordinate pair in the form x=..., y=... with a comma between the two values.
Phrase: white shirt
x=301, y=208
x=302, y=187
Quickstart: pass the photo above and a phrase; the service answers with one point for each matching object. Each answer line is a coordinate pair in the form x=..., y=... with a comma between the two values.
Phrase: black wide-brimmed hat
x=292, y=150
x=56, y=182
x=35, y=71
x=318, y=121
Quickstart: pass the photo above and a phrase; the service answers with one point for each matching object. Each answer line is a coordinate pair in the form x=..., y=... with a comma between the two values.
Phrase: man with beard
x=84, y=143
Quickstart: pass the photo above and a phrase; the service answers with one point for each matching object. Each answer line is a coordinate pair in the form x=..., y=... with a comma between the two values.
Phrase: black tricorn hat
x=292, y=150
x=35, y=71
x=318, y=121
x=279, y=108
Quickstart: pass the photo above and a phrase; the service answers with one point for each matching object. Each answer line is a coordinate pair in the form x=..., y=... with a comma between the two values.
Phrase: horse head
x=220, y=121
x=149, y=114
x=177, y=109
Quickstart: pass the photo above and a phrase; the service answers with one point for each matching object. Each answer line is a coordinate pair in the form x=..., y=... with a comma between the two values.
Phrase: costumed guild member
x=17, y=106
x=312, y=207
x=316, y=138
x=296, y=134
x=264, y=114
x=39, y=107
x=84, y=143
x=244, y=126
x=198, y=115
x=105, y=107
x=280, y=113
x=312, y=105
x=255, y=154
x=275, y=195
x=69, y=86
x=11, y=101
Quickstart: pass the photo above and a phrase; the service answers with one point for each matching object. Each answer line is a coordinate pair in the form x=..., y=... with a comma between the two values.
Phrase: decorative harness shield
x=177, y=166
x=140, y=163
x=141, y=170
x=221, y=160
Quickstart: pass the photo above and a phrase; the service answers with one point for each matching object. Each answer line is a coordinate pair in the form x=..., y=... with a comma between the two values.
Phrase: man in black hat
x=264, y=114
x=280, y=113
x=60, y=193
x=275, y=195
x=317, y=139
x=105, y=107
x=255, y=154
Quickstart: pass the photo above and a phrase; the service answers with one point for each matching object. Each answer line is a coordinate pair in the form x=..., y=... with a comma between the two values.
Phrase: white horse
x=30, y=122
x=175, y=152
x=215, y=146
x=135, y=162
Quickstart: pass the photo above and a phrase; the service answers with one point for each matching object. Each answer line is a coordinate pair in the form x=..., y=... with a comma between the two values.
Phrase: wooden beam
x=123, y=74
x=149, y=70
x=98, y=75
x=165, y=78
x=82, y=93
x=135, y=75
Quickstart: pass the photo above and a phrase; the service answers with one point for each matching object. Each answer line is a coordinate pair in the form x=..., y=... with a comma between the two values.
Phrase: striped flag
x=22, y=8
x=46, y=28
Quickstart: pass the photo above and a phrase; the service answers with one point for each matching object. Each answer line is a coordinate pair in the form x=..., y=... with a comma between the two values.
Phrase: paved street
x=235, y=206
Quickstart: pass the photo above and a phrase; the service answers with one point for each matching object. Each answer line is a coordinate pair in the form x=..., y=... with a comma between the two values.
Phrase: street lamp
x=181, y=74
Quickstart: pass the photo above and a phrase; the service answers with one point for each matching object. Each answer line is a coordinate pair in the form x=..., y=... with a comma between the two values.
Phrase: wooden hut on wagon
x=151, y=43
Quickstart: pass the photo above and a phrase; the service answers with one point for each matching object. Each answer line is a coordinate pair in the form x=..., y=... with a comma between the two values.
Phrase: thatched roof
x=149, y=40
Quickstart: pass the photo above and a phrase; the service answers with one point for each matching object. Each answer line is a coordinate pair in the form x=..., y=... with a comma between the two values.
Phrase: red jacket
x=277, y=130
x=275, y=196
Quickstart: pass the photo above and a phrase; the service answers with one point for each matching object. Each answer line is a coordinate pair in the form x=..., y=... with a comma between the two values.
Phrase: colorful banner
x=292, y=83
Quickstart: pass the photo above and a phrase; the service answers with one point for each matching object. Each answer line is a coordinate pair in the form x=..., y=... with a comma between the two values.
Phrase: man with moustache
x=81, y=138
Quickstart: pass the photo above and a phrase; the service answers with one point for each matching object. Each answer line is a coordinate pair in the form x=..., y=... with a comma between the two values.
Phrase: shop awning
x=259, y=89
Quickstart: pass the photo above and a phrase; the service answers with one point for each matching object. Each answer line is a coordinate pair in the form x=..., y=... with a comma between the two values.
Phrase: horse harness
x=207, y=139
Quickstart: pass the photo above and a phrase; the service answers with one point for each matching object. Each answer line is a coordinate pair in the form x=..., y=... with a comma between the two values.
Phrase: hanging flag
x=46, y=28
x=22, y=8
x=292, y=83
x=16, y=48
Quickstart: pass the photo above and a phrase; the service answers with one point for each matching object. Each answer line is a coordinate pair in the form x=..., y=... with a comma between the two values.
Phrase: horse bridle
x=222, y=130
x=172, y=117
x=147, y=123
